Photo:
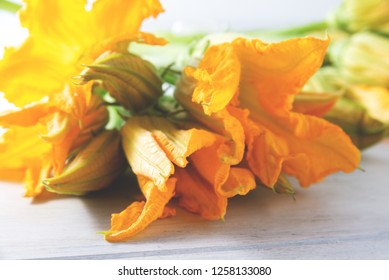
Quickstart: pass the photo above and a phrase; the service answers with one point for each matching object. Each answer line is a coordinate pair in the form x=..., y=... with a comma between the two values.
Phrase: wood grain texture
x=344, y=217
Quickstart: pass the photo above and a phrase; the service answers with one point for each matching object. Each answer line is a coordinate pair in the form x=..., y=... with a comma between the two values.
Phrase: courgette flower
x=41, y=136
x=95, y=166
x=362, y=58
x=130, y=80
x=170, y=160
x=63, y=37
x=361, y=15
x=254, y=85
x=362, y=111
x=53, y=116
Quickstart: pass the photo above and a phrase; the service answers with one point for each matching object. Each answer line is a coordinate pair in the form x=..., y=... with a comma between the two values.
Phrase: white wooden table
x=344, y=217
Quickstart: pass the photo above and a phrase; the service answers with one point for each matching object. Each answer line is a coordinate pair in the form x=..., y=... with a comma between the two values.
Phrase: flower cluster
x=87, y=109
x=357, y=69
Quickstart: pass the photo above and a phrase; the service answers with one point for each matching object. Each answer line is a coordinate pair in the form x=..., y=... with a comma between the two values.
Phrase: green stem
x=9, y=6
x=294, y=31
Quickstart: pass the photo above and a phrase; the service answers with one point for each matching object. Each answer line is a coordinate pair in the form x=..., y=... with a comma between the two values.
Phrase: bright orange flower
x=255, y=83
x=41, y=135
x=169, y=160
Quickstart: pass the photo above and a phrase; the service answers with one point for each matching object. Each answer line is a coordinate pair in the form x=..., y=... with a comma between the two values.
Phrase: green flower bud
x=354, y=119
x=94, y=167
x=320, y=93
x=130, y=80
x=362, y=58
x=283, y=186
x=361, y=15
x=326, y=80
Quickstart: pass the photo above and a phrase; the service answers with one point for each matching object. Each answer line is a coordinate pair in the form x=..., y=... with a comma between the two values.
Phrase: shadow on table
x=259, y=205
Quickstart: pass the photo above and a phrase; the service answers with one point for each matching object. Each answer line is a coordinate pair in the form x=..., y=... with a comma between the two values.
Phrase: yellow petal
x=21, y=147
x=129, y=16
x=139, y=215
x=143, y=152
x=30, y=72
x=29, y=115
x=74, y=27
x=65, y=35
x=153, y=144
x=179, y=144
x=374, y=99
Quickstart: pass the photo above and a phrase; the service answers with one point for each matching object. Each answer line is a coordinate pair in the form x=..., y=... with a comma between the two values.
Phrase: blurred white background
x=237, y=15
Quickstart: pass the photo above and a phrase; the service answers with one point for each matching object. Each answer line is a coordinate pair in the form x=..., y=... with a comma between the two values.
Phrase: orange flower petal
x=74, y=100
x=141, y=214
x=205, y=184
x=149, y=39
x=209, y=165
x=222, y=122
x=321, y=148
x=279, y=140
x=270, y=77
x=199, y=196
x=306, y=147
x=278, y=71
x=217, y=78
x=153, y=144
x=34, y=176
x=12, y=174
x=168, y=212
x=240, y=181
x=179, y=144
